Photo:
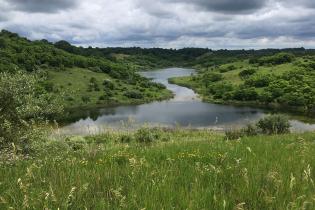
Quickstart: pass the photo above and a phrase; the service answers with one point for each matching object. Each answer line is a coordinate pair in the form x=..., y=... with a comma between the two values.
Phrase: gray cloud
x=299, y=3
x=165, y=23
x=228, y=6
x=43, y=6
x=3, y=17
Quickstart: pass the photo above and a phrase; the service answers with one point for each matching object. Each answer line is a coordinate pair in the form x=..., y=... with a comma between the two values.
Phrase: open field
x=179, y=169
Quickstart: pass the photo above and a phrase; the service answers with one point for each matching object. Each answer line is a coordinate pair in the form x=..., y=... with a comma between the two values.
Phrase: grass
x=181, y=169
x=74, y=82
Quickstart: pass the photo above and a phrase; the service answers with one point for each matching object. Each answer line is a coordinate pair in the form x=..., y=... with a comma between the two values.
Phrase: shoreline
x=253, y=104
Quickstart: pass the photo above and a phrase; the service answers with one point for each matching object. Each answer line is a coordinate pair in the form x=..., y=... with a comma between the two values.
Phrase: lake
x=185, y=110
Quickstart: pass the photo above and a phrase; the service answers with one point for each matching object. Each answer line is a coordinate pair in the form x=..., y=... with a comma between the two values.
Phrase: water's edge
x=185, y=110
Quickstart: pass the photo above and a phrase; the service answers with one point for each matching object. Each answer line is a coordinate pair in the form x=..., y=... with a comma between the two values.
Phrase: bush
x=249, y=130
x=246, y=73
x=259, y=80
x=147, y=135
x=234, y=134
x=76, y=143
x=134, y=94
x=23, y=106
x=108, y=84
x=221, y=89
x=245, y=94
x=126, y=138
x=93, y=86
x=212, y=77
x=227, y=69
x=276, y=59
x=85, y=99
x=274, y=124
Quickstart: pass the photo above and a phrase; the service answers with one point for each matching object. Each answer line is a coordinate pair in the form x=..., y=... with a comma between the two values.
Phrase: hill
x=83, y=80
x=278, y=80
x=107, y=76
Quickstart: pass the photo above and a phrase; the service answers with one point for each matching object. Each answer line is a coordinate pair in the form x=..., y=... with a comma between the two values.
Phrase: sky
x=215, y=24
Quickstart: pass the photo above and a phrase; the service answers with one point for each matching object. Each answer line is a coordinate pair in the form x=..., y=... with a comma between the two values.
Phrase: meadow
x=162, y=169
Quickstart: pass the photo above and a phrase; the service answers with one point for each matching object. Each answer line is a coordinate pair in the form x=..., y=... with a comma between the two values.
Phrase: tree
x=23, y=105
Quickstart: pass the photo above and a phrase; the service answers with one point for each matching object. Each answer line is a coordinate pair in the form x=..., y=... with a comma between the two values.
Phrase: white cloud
x=161, y=23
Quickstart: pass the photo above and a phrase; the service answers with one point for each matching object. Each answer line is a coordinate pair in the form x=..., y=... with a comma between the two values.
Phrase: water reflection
x=185, y=109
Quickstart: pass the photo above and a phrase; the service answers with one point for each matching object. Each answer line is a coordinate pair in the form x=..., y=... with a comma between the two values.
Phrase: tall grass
x=192, y=170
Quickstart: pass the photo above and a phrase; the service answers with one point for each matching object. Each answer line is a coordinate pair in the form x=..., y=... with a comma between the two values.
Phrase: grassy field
x=74, y=82
x=180, y=169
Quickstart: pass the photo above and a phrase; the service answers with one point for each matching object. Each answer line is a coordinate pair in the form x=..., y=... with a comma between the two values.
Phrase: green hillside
x=83, y=80
x=278, y=80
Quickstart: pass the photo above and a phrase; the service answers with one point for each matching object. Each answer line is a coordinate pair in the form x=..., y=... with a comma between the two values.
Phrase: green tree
x=23, y=105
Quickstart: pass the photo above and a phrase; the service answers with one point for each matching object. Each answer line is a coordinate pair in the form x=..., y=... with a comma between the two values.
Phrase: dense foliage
x=23, y=105
x=282, y=79
x=20, y=53
x=79, y=75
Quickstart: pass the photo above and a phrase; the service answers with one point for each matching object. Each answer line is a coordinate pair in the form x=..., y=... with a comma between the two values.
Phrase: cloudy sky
x=231, y=24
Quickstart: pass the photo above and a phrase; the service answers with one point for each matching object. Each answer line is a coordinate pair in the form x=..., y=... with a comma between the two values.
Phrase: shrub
x=220, y=89
x=49, y=86
x=108, y=84
x=126, y=138
x=227, y=69
x=85, y=99
x=249, y=130
x=212, y=77
x=93, y=86
x=134, y=94
x=158, y=85
x=76, y=143
x=147, y=135
x=234, y=134
x=276, y=59
x=259, y=80
x=274, y=124
x=23, y=106
x=245, y=94
x=246, y=73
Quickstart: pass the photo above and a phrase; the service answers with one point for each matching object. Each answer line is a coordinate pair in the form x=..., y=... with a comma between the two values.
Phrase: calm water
x=185, y=110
